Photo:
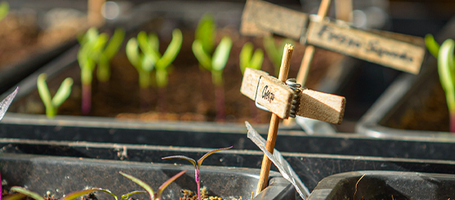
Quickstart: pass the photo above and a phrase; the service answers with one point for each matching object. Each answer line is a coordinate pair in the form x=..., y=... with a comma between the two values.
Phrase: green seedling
x=94, y=51
x=446, y=70
x=248, y=59
x=4, y=9
x=154, y=195
x=149, y=58
x=22, y=192
x=215, y=63
x=197, y=166
x=275, y=53
x=62, y=94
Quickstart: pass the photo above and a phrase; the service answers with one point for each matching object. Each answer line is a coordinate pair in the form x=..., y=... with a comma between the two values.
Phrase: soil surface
x=21, y=37
x=190, y=94
x=429, y=112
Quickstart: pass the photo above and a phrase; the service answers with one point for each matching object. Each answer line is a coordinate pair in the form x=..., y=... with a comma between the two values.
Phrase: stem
x=197, y=177
x=1, y=188
x=51, y=112
x=86, y=98
x=144, y=79
x=144, y=98
x=452, y=121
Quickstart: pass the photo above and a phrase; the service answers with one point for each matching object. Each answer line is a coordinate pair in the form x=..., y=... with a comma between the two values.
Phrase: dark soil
x=190, y=94
x=20, y=37
x=430, y=112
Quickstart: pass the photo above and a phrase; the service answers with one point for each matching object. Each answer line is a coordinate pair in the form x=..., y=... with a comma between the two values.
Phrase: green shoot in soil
x=215, y=63
x=446, y=70
x=275, y=53
x=94, y=51
x=248, y=59
x=154, y=195
x=4, y=9
x=149, y=58
x=197, y=166
x=62, y=94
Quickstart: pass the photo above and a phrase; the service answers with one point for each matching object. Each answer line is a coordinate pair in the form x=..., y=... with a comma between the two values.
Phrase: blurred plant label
x=277, y=97
x=278, y=160
x=262, y=18
x=394, y=50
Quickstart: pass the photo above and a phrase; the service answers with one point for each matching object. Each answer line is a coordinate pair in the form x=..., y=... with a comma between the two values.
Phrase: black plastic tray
x=60, y=175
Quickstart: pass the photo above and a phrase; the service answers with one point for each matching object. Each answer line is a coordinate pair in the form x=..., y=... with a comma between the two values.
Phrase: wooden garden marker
x=276, y=96
x=94, y=16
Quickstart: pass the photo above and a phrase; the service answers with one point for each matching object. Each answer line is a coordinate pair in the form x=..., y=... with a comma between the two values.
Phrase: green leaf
x=221, y=55
x=132, y=52
x=181, y=157
x=432, y=45
x=4, y=9
x=43, y=91
x=63, y=92
x=154, y=42
x=203, y=58
x=258, y=58
x=171, y=51
x=199, y=162
x=245, y=56
x=447, y=72
x=141, y=183
x=168, y=182
x=15, y=196
x=89, y=36
x=114, y=44
x=26, y=192
x=272, y=51
x=143, y=41
x=205, y=33
x=127, y=195
x=76, y=194
x=103, y=71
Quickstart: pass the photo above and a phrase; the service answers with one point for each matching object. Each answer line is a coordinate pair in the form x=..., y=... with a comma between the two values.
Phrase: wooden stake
x=94, y=16
x=274, y=122
x=343, y=10
x=308, y=55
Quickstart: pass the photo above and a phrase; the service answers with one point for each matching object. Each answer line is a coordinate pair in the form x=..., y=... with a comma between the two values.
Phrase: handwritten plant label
x=277, y=97
x=263, y=18
x=399, y=54
x=267, y=91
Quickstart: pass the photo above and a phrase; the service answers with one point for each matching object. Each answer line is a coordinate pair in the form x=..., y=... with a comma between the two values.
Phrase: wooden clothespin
x=285, y=100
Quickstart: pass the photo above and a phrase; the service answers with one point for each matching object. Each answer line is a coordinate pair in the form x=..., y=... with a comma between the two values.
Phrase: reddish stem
x=1, y=189
x=86, y=98
x=144, y=98
x=219, y=95
x=452, y=121
x=197, y=177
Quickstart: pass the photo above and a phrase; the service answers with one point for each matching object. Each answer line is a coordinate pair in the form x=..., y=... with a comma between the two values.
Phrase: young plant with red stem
x=197, y=166
x=149, y=58
x=61, y=95
x=202, y=49
x=94, y=51
x=446, y=70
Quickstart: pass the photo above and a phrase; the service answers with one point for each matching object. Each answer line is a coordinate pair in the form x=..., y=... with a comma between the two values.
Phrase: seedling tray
x=62, y=175
x=385, y=185
x=311, y=168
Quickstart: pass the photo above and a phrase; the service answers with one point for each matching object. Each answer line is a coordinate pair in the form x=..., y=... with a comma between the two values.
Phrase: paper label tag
x=283, y=166
x=368, y=46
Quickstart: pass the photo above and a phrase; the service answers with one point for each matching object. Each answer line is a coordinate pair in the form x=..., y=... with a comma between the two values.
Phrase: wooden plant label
x=398, y=51
x=263, y=18
x=276, y=96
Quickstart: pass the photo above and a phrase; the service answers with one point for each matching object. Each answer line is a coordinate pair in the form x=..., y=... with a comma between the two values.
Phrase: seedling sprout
x=197, y=166
x=154, y=195
x=93, y=50
x=202, y=46
x=446, y=70
x=149, y=57
x=62, y=94
x=249, y=59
